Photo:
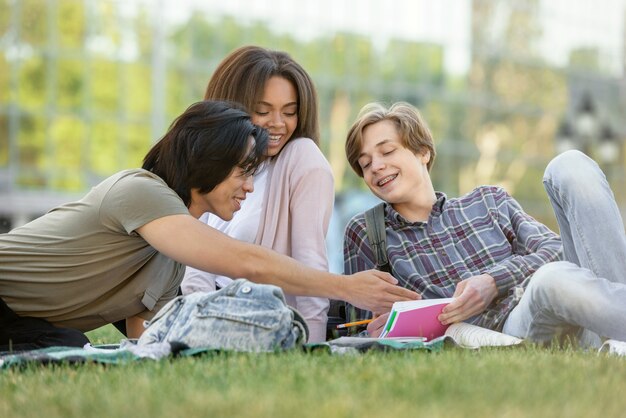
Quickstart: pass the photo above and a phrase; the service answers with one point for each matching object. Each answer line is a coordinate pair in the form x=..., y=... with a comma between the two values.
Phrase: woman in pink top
x=290, y=208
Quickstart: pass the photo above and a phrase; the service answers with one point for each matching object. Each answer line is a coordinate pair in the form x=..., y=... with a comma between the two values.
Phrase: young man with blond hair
x=500, y=264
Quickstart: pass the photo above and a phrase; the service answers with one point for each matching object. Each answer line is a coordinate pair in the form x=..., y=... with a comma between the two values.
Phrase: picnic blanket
x=128, y=351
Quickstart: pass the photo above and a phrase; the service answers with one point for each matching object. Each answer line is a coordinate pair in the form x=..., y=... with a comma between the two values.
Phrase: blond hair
x=413, y=130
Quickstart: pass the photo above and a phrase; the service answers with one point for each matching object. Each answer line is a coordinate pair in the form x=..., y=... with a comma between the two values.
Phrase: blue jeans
x=583, y=297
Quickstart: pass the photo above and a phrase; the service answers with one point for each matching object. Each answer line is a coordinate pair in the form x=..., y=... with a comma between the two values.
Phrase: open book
x=418, y=318
x=415, y=318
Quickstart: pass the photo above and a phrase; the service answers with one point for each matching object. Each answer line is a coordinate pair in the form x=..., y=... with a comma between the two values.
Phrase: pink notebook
x=416, y=318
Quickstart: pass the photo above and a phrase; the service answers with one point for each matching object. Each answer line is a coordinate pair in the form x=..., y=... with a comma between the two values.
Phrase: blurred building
x=87, y=86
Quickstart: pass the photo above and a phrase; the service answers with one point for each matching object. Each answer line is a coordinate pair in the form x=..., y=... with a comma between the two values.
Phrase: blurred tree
x=71, y=23
x=70, y=84
x=339, y=125
x=516, y=100
x=85, y=83
x=413, y=62
x=31, y=145
x=82, y=90
x=105, y=147
x=68, y=143
x=33, y=23
x=106, y=87
x=585, y=58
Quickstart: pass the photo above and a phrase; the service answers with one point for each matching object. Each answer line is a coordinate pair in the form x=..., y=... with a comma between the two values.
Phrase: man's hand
x=375, y=327
x=472, y=296
x=375, y=291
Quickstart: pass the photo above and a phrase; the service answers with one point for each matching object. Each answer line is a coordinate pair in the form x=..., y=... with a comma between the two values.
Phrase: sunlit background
x=86, y=86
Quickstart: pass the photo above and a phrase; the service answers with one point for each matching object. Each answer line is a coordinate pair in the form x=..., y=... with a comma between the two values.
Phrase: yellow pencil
x=355, y=323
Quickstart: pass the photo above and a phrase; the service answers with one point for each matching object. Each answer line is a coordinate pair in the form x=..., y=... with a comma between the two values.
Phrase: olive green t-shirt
x=82, y=265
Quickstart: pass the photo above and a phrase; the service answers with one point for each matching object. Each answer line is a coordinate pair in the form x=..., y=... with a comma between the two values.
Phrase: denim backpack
x=242, y=316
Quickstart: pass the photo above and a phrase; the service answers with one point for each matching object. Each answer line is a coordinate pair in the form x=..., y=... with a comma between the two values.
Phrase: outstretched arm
x=358, y=256
x=190, y=242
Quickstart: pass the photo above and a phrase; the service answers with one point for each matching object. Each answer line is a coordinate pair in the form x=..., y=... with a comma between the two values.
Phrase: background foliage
x=86, y=86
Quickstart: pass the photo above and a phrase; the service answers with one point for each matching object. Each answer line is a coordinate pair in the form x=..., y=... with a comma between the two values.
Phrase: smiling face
x=277, y=111
x=392, y=172
x=226, y=198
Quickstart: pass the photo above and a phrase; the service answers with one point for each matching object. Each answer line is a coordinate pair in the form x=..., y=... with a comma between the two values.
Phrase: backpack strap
x=377, y=236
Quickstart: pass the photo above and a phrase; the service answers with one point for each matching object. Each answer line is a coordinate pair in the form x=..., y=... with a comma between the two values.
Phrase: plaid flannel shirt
x=485, y=231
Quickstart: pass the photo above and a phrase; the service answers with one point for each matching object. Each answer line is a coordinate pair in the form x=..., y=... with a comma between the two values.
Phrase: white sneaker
x=614, y=347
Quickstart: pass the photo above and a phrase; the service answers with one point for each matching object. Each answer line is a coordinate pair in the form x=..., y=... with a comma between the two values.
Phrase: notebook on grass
x=416, y=318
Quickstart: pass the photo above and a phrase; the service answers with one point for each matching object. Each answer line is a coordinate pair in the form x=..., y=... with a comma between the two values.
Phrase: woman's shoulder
x=302, y=153
x=301, y=144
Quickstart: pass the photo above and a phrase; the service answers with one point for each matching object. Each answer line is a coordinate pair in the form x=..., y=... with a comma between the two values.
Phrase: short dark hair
x=242, y=75
x=203, y=146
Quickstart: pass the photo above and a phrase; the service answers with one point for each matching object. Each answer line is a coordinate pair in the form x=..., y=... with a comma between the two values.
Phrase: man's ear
x=425, y=157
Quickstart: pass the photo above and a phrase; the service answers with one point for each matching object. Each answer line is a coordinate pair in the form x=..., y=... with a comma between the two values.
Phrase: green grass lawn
x=515, y=382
